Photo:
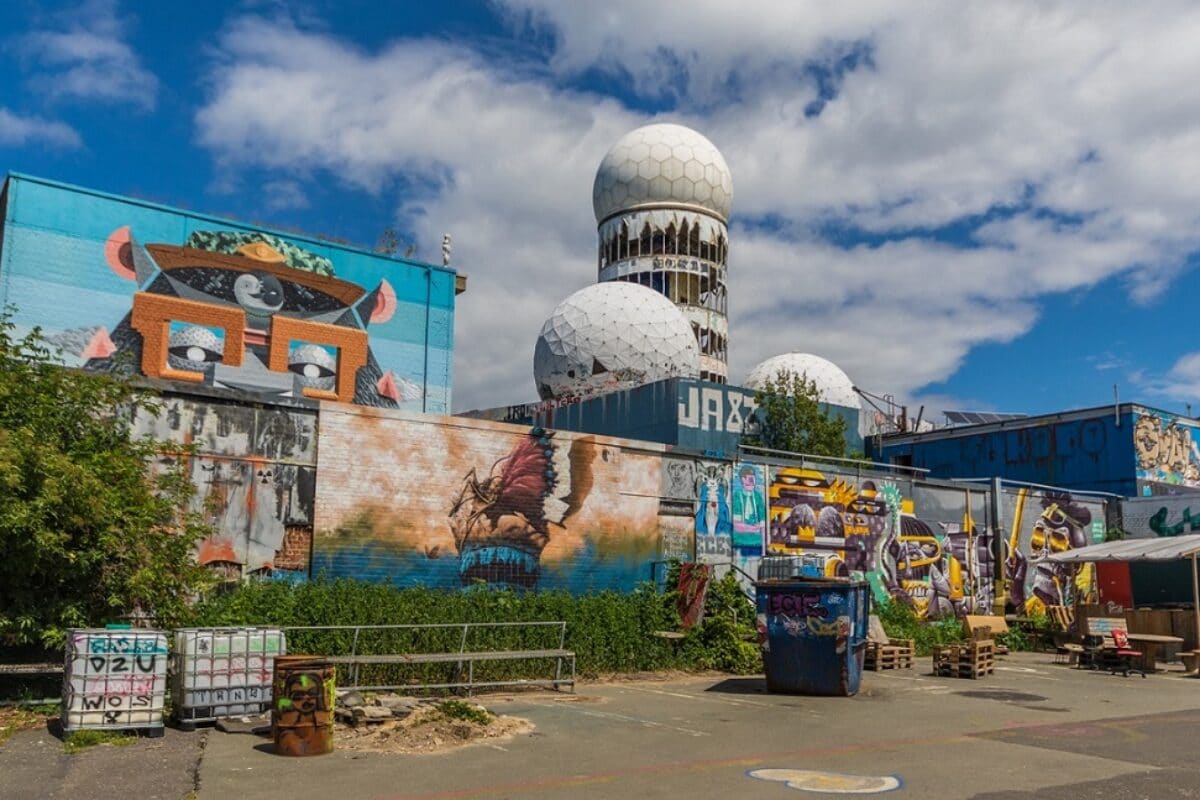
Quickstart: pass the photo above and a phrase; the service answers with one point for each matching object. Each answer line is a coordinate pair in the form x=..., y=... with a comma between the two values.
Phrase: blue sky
x=969, y=206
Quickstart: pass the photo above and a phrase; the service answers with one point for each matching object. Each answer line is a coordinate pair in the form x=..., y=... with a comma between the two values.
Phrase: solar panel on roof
x=978, y=417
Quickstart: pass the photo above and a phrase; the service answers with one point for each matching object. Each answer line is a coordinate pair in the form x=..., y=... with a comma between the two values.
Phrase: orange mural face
x=247, y=321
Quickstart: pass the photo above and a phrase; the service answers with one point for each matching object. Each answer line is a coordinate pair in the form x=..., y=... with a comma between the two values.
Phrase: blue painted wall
x=697, y=415
x=57, y=254
x=1087, y=451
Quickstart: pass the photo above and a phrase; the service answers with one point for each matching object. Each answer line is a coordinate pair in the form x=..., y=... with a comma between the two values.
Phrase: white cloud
x=83, y=56
x=1181, y=383
x=17, y=130
x=1079, y=123
x=284, y=194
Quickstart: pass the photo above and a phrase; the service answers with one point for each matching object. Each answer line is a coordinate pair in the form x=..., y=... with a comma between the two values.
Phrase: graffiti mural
x=1148, y=517
x=450, y=502
x=1168, y=449
x=938, y=565
x=749, y=509
x=247, y=313
x=1042, y=523
x=714, y=525
x=213, y=307
x=502, y=521
x=254, y=470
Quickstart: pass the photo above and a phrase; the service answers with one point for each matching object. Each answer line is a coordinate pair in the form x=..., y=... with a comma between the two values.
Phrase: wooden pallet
x=972, y=671
x=896, y=654
x=969, y=660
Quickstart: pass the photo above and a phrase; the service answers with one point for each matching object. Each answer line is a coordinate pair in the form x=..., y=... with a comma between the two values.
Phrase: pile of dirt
x=429, y=728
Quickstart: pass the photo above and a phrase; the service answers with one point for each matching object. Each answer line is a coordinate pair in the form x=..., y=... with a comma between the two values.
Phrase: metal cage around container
x=114, y=679
x=223, y=672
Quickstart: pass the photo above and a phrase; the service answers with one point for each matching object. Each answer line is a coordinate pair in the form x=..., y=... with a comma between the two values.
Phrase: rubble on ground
x=396, y=723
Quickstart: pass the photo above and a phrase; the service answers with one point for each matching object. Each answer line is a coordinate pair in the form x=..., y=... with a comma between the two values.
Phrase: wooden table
x=1149, y=643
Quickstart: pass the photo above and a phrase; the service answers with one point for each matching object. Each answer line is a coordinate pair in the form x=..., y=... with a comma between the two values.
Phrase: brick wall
x=552, y=509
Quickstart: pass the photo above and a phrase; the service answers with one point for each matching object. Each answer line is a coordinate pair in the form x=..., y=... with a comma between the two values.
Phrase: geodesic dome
x=612, y=336
x=662, y=164
x=833, y=385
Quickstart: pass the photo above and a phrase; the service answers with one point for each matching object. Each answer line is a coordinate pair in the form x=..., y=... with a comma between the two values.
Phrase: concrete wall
x=125, y=286
x=254, y=469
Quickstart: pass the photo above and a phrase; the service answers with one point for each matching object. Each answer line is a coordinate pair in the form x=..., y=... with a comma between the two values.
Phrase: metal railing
x=360, y=641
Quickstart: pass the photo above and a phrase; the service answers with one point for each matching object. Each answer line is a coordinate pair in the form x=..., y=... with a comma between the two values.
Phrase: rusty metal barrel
x=302, y=706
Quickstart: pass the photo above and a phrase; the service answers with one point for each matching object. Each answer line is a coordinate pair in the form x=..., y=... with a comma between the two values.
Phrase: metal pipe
x=1036, y=486
x=1196, y=605
x=803, y=456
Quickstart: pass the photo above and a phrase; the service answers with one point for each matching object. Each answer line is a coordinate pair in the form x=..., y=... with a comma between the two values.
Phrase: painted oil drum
x=813, y=635
x=302, y=706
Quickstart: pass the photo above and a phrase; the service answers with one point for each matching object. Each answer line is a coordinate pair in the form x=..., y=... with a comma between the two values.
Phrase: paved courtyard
x=1033, y=729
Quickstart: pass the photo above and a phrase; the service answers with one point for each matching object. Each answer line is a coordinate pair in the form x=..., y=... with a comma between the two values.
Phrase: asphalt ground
x=1033, y=729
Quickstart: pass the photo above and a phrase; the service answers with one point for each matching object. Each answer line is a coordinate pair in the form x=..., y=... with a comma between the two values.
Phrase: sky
x=984, y=206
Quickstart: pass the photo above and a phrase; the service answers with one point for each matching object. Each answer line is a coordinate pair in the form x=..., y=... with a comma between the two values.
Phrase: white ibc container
x=223, y=672
x=115, y=679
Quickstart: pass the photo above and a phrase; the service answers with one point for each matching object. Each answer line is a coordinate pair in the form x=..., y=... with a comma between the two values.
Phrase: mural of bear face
x=232, y=311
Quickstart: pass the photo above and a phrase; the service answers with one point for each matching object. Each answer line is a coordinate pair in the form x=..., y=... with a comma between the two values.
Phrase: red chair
x=1125, y=654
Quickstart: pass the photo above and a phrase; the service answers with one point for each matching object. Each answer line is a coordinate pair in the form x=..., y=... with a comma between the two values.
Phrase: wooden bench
x=564, y=659
x=31, y=669
x=1100, y=628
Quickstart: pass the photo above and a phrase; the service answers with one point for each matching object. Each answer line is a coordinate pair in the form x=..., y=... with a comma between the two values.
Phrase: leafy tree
x=791, y=418
x=88, y=534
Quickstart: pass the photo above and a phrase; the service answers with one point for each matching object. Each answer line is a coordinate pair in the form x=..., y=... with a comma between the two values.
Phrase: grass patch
x=20, y=718
x=457, y=709
x=77, y=741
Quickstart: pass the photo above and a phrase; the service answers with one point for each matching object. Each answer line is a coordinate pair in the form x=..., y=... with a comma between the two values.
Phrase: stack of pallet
x=892, y=654
x=967, y=660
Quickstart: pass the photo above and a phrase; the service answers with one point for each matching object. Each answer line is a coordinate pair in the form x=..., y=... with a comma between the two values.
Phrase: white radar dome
x=612, y=336
x=662, y=164
x=833, y=385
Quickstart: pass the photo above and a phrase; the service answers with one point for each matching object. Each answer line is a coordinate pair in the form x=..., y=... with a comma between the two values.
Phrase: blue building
x=695, y=415
x=219, y=307
x=1125, y=449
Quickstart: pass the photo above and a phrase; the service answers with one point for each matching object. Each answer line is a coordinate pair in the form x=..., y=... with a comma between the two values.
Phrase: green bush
x=610, y=632
x=457, y=709
x=88, y=533
x=901, y=622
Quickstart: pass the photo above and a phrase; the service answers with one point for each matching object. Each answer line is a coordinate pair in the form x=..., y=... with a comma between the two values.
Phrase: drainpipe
x=999, y=578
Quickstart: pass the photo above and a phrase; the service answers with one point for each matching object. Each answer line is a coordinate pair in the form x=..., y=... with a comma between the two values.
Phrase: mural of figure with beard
x=1062, y=525
x=714, y=526
x=921, y=573
x=503, y=521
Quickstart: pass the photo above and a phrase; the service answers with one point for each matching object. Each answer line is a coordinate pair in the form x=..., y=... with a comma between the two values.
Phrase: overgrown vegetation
x=1028, y=637
x=19, y=718
x=610, y=632
x=88, y=534
x=792, y=418
x=81, y=740
x=901, y=622
x=457, y=709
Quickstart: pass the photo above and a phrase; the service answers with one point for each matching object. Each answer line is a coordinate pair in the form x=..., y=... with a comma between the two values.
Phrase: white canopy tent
x=1171, y=548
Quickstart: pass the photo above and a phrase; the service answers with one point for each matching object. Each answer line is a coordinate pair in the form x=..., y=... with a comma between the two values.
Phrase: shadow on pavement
x=740, y=686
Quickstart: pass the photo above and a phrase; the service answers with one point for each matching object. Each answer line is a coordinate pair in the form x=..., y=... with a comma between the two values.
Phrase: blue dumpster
x=813, y=634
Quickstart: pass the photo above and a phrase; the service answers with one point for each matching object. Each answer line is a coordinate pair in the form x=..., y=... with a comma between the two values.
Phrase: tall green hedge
x=610, y=632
